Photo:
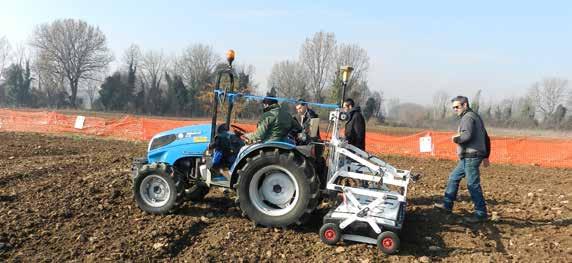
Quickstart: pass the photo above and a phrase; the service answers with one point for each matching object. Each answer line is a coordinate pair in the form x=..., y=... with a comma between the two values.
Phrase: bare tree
x=524, y=108
x=20, y=55
x=92, y=86
x=153, y=67
x=547, y=95
x=356, y=57
x=197, y=65
x=91, y=89
x=559, y=115
x=50, y=81
x=131, y=59
x=5, y=51
x=440, y=104
x=245, y=74
x=360, y=92
x=476, y=101
x=317, y=56
x=570, y=99
x=410, y=114
x=378, y=97
x=247, y=69
x=506, y=107
x=392, y=107
x=290, y=79
x=76, y=48
x=132, y=56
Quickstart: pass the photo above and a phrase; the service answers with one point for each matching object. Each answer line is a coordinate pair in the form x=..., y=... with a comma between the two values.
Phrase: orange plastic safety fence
x=514, y=150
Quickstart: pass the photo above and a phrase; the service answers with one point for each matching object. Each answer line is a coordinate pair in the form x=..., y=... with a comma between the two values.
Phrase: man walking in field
x=473, y=148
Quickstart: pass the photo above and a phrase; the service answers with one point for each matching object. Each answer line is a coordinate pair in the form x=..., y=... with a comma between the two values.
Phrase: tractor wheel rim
x=155, y=190
x=387, y=242
x=273, y=190
x=330, y=234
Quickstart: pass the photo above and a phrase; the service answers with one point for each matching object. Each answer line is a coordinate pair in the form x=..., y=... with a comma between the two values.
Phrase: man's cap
x=270, y=98
x=222, y=128
x=301, y=102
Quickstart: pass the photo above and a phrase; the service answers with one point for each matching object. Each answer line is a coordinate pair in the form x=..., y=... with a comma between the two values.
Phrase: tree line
x=66, y=65
x=545, y=105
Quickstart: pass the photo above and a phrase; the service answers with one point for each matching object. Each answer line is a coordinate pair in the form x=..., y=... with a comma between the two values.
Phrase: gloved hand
x=247, y=140
x=302, y=137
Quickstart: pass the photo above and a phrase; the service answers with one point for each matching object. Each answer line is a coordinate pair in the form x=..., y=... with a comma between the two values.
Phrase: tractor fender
x=253, y=149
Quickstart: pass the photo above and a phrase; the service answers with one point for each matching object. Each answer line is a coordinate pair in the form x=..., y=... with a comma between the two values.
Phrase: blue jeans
x=468, y=167
x=220, y=160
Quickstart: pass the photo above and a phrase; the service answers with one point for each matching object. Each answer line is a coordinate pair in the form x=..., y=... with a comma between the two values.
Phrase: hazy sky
x=415, y=47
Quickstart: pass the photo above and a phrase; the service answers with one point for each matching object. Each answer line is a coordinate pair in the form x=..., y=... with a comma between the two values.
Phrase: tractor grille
x=162, y=141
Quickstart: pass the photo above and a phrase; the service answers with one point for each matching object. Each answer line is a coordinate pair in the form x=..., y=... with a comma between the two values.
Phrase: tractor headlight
x=162, y=141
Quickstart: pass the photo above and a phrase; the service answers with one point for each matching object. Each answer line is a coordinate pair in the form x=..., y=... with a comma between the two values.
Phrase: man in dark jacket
x=225, y=147
x=355, y=126
x=274, y=125
x=473, y=148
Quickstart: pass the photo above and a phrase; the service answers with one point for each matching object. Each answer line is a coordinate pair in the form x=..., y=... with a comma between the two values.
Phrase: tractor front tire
x=277, y=188
x=157, y=189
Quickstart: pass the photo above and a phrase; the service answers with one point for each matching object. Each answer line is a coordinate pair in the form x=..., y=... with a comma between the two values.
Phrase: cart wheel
x=388, y=242
x=330, y=233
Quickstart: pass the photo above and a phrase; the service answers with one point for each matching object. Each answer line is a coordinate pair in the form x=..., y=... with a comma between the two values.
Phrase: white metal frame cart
x=372, y=205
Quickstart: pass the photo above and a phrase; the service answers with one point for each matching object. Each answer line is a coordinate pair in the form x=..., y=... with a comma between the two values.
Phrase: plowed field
x=69, y=198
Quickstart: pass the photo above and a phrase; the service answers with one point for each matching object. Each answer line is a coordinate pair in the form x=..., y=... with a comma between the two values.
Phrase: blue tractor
x=277, y=183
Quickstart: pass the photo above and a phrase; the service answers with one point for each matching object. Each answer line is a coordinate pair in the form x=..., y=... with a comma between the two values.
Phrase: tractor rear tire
x=157, y=189
x=277, y=188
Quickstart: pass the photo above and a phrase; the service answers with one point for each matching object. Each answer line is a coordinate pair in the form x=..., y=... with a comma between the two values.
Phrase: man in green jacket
x=274, y=125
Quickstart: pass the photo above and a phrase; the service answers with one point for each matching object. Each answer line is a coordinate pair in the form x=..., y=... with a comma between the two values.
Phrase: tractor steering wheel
x=239, y=131
x=237, y=128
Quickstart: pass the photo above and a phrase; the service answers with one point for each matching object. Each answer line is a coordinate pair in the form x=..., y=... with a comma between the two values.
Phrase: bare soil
x=68, y=198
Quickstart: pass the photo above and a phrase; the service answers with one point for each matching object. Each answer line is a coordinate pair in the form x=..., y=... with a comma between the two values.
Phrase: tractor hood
x=180, y=142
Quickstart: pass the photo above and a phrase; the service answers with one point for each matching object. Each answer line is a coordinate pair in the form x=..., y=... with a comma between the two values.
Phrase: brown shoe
x=224, y=172
x=441, y=206
x=475, y=219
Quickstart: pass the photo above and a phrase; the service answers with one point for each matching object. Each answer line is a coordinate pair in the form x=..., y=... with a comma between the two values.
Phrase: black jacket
x=355, y=128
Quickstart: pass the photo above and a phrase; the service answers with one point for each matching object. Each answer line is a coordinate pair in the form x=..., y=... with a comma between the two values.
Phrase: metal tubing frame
x=228, y=71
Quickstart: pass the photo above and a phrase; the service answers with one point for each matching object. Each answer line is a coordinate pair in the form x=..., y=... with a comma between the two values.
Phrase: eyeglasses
x=456, y=107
